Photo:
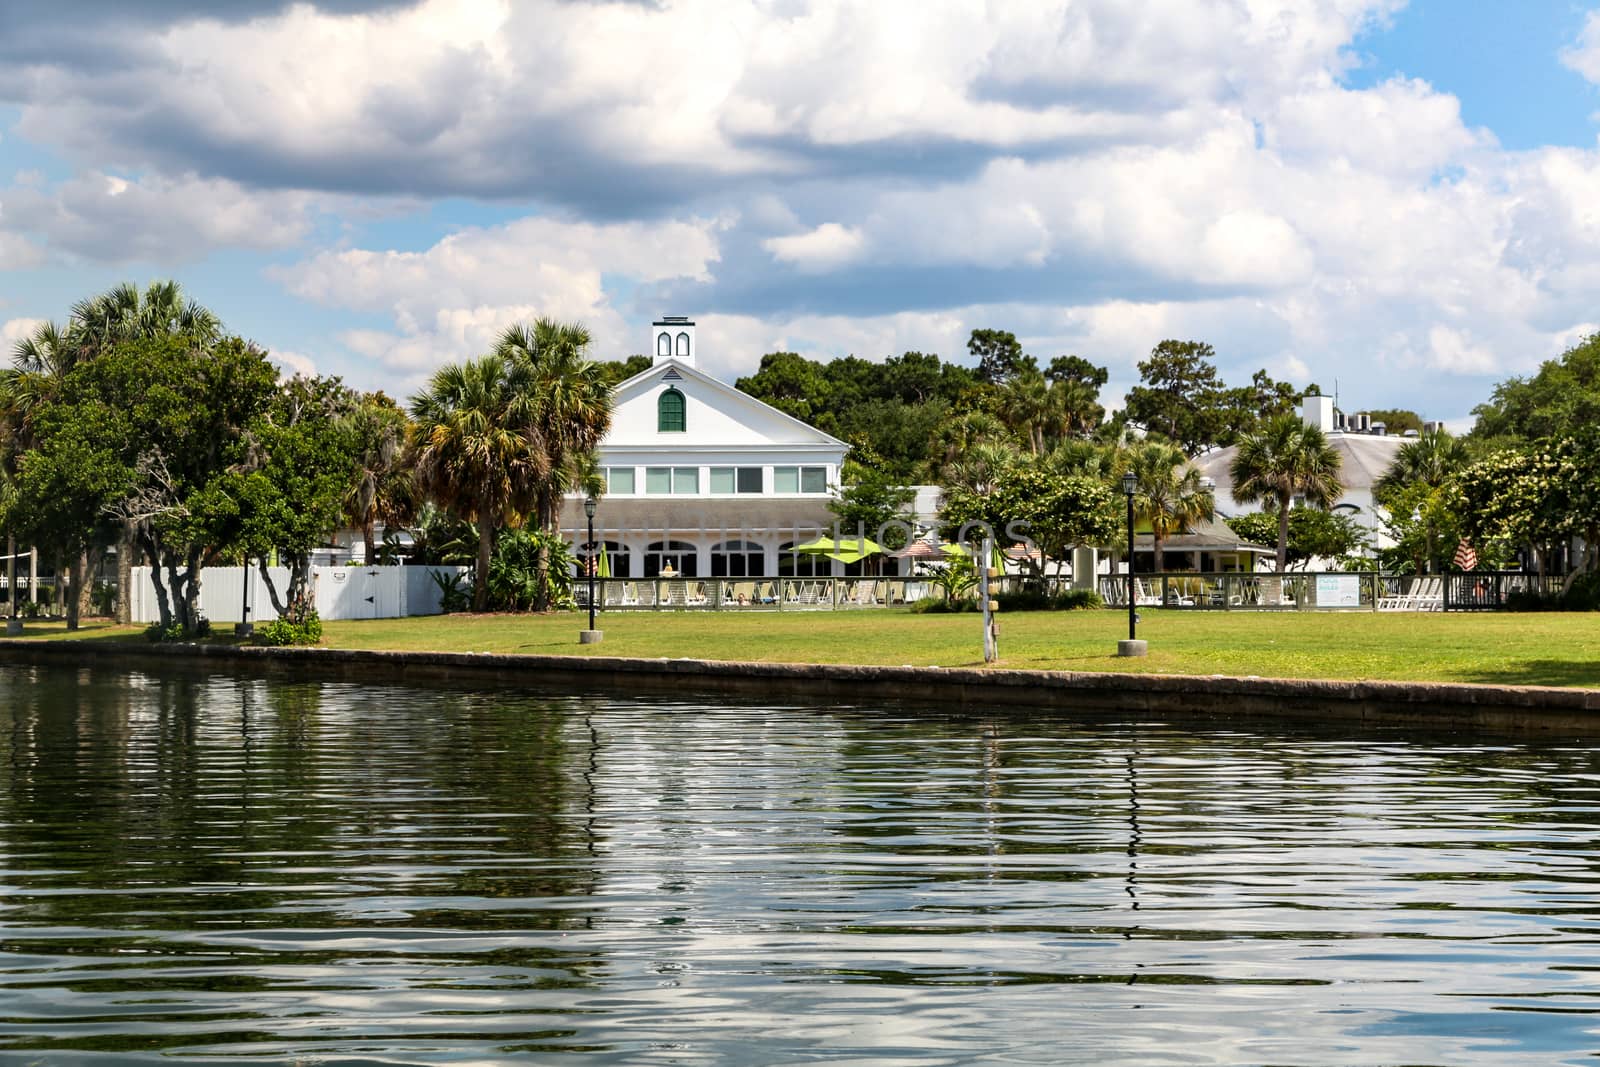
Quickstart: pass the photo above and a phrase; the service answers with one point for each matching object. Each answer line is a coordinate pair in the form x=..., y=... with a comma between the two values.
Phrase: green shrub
x=156, y=633
x=934, y=605
x=1065, y=600
x=284, y=632
x=454, y=594
x=300, y=625
x=1583, y=594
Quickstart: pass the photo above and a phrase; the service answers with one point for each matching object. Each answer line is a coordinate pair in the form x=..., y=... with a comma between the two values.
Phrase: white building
x=1364, y=454
x=704, y=479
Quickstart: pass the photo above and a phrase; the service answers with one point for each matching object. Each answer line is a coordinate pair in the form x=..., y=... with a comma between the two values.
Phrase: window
x=683, y=344
x=663, y=345
x=669, y=412
x=619, y=481
x=618, y=564
x=657, y=480
x=671, y=559
x=685, y=481
x=799, y=479
x=738, y=559
x=735, y=480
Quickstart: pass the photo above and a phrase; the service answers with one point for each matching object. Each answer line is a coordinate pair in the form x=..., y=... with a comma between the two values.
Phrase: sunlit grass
x=1526, y=649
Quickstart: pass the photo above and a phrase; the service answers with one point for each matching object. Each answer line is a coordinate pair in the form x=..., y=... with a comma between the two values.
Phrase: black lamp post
x=1132, y=646
x=591, y=635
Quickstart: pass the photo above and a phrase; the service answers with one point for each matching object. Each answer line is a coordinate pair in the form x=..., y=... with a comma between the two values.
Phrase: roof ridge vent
x=672, y=375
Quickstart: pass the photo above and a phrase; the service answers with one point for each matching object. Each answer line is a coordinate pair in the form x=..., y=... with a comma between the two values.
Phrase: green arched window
x=669, y=412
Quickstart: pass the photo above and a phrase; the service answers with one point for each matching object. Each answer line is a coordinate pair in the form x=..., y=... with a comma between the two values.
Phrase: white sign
x=1338, y=590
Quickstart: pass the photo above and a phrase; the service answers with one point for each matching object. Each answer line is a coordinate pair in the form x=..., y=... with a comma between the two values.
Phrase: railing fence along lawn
x=1288, y=591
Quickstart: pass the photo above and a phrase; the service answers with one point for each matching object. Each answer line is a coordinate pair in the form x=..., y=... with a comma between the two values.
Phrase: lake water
x=236, y=870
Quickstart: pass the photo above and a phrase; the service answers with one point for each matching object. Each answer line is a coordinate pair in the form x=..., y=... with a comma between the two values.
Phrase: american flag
x=1466, y=558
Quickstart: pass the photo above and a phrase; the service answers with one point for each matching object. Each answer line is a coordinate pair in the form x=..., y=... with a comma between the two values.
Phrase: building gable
x=714, y=415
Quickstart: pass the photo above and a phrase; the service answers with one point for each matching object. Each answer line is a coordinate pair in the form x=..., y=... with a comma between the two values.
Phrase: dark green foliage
x=1563, y=396
x=454, y=594
x=1181, y=397
x=934, y=605
x=1396, y=421
x=299, y=625
x=515, y=572
x=1065, y=600
x=871, y=500
x=998, y=353
x=1331, y=535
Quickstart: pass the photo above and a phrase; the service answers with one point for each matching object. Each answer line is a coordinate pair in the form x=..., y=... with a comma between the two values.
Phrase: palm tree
x=383, y=488
x=476, y=453
x=1171, y=496
x=1025, y=400
x=1284, y=458
x=568, y=414
x=568, y=408
x=1429, y=460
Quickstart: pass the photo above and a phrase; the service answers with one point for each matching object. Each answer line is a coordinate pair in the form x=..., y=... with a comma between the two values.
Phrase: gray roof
x=1362, y=460
x=1207, y=535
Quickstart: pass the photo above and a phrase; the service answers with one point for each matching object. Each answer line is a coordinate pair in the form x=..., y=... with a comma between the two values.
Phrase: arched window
x=618, y=564
x=738, y=559
x=663, y=344
x=669, y=412
x=683, y=346
x=792, y=564
x=680, y=556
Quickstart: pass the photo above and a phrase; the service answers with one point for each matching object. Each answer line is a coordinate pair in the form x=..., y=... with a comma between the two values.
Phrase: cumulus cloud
x=1583, y=56
x=603, y=104
x=452, y=299
x=1095, y=175
x=14, y=330
x=107, y=218
x=824, y=248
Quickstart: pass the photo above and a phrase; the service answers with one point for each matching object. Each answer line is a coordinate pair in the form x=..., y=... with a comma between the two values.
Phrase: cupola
x=672, y=337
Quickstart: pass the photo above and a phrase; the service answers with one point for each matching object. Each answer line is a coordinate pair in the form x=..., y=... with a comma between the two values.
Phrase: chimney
x=1317, y=410
x=1363, y=423
x=672, y=337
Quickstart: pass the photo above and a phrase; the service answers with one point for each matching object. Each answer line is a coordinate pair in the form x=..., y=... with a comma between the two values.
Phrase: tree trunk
x=1157, y=543
x=72, y=597
x=367, y=542
x=91, y=567
x=151, y=546
x=125, y=552
x=1283, y=533
x=480, y=580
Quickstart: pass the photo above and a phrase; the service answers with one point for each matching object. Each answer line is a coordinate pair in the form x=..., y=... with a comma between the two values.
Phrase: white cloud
x=1454, y=350
x=451, y=300
x=108, y=218
x=1584, y=55
x=292, y=363
x=824, y=248
x=14, y=330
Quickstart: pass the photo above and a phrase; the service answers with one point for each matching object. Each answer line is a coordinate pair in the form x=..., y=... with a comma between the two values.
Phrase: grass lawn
x=1519, y=649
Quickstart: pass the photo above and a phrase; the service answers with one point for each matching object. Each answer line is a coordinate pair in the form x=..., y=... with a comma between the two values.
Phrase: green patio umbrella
x=845, y=550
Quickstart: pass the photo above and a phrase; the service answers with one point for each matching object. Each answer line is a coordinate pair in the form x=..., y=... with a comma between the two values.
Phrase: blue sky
x=1397, y=196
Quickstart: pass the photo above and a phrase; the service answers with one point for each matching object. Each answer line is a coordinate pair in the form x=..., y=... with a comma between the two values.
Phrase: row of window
x=722, y=481
x=730, y=559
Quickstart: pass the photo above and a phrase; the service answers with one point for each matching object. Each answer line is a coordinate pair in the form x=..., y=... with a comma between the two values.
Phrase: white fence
x=339, y=592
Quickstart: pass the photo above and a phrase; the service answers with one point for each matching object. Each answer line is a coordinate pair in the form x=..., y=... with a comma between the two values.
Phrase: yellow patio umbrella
x=845, y=550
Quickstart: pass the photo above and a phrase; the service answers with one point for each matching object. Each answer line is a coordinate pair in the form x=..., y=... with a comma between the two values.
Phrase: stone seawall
x=1540, y=710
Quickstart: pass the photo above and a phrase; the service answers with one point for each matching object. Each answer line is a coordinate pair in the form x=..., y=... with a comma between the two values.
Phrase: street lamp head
x=1130, y=483
x=589, y=504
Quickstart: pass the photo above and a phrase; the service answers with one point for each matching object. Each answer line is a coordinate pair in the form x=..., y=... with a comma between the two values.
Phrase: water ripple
x=213, y=868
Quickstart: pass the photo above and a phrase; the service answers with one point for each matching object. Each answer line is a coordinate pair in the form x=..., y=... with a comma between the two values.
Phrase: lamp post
x=1132, y=646
x=591, y=636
